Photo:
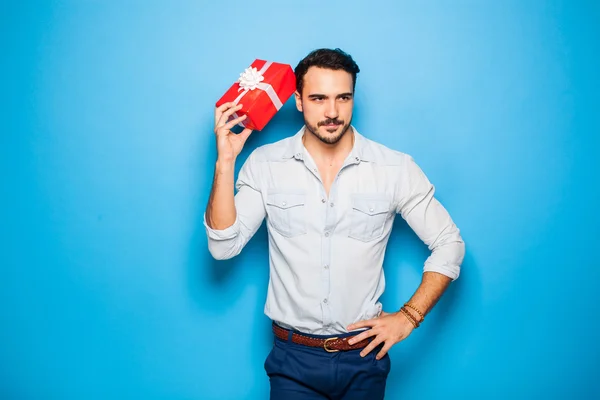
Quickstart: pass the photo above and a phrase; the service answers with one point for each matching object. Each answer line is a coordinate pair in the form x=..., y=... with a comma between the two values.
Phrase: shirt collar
x=360, y=149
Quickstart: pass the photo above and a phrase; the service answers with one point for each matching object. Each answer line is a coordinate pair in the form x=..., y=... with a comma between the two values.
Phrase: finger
x=383, y=351
x=225, y=116
x=362, y=336
x=233, y=123
x=374, y=343
x=362, y=324
x=223, y=107
x=245, y=134
x=219, y=110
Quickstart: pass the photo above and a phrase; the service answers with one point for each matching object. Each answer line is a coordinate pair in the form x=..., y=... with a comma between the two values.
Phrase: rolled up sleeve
x=430, y=221
x=250, y=212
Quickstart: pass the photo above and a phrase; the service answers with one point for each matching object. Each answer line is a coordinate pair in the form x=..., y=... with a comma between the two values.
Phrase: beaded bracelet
x=414, y=308
x=409, y=316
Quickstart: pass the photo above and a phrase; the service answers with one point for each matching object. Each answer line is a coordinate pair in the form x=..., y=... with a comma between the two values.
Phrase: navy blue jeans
x=301, y=372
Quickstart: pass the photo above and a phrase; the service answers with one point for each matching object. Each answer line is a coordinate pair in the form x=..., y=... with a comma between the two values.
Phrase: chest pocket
x=287, y=213
x=368, y=216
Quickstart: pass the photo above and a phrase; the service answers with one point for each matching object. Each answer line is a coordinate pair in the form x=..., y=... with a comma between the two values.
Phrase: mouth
x=332, y=126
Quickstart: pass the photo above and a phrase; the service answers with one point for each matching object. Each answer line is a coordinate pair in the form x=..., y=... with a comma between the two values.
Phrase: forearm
x=428, y=293
x=221, y=211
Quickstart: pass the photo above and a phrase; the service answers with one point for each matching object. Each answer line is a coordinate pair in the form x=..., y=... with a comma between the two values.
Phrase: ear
x=298, y=100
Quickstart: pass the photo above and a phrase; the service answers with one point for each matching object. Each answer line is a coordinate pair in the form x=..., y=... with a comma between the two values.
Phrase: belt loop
x=290, y=333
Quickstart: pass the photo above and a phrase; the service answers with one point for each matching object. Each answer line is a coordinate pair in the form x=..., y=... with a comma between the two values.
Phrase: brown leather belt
x=331, y=344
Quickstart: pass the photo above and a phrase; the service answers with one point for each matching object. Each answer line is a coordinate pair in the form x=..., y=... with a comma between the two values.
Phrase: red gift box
x=261, y=89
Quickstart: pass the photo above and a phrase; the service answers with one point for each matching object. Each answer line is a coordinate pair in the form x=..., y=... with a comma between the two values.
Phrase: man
x=330, y=196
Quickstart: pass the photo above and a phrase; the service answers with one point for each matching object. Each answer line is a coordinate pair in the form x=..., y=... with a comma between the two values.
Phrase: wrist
x=414, y=314
x=415, y=311
x=401, y=315
x=225, y=165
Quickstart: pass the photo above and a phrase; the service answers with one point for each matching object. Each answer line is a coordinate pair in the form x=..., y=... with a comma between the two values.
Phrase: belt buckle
x=327, y=349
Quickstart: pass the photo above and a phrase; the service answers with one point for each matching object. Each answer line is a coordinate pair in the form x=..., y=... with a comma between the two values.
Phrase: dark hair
x=334, y=59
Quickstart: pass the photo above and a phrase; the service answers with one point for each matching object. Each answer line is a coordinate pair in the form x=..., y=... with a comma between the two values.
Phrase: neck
x=324, y=152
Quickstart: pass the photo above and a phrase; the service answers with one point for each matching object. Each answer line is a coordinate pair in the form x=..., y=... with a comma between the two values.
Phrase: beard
x=328, y=139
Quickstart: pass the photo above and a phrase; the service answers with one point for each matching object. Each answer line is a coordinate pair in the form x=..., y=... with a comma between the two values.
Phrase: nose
x=331, y=110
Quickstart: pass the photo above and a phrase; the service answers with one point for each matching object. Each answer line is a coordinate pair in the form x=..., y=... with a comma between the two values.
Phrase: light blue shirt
x=326, y=253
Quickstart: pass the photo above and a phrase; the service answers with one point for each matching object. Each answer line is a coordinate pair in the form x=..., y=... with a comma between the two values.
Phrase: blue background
x=107, y=287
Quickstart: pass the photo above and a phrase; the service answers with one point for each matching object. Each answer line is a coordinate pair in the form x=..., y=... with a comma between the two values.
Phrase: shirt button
x=325, y=301
x=315, y=170
x=357, y=159
x=326, y=234
x=370, y=209
x=284, y=203
x=331, y=204
x=323, y=200
x=326, y=267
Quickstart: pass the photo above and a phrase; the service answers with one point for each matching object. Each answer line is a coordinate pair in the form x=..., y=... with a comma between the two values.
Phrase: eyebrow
x=317, y=95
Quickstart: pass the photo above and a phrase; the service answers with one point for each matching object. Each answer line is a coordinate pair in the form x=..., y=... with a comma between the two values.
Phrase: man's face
x=326, y=103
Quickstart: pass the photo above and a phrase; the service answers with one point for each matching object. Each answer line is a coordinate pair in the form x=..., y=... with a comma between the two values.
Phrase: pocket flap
x=371, y=206
x=285, y=200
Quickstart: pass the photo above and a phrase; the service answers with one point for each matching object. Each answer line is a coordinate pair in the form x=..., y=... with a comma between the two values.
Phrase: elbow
x=220, y=253
x=461, y=251
x=459, y=258
x=220, y=256
x=447, y=259
x=225, y=243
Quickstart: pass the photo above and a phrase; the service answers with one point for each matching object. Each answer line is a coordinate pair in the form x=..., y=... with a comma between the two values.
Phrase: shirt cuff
x=451, y=271
x=223, y=234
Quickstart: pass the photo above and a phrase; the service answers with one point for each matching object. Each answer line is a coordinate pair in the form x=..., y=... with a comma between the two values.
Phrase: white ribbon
x=251, y=79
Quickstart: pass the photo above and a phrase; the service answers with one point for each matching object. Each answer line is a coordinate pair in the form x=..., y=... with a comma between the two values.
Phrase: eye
x=346, y=98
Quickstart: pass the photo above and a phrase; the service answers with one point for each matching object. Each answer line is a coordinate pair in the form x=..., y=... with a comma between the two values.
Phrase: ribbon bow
x=250, y=79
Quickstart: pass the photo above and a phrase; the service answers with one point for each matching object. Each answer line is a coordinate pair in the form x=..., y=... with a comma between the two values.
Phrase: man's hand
x=229, y=144
x=387, y=328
